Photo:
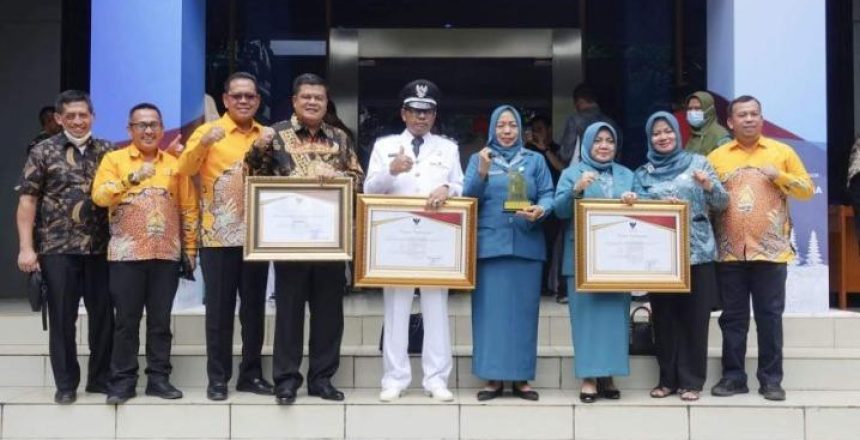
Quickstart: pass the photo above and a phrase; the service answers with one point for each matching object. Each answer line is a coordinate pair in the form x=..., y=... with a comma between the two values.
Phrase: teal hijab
x=588, y=141
x=666, y=166
x=508, y=153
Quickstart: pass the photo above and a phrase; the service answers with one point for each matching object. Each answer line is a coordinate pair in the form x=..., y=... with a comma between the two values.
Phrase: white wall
x=30, y=77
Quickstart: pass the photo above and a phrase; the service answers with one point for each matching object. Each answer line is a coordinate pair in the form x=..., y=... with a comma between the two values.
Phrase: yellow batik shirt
x=756, y=225
x=157, y=219
x=222, y=180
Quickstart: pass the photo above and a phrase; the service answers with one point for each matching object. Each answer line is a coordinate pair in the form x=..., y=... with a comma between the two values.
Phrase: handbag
x=416, y=334
x=642, y=334
x=37, y=294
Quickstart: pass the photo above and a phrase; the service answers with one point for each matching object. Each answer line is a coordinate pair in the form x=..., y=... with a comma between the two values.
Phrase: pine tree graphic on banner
x=793, y=240
x=813, y=254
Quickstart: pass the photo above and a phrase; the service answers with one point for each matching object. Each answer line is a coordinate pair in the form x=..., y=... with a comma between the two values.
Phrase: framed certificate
x=620, y=247
x=298, y=219
x=399, y=243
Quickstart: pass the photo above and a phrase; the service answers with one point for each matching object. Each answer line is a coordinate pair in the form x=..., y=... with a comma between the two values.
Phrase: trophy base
x=511, y=206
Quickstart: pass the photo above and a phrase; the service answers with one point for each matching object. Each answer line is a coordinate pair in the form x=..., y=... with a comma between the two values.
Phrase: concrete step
x=361, y=367
x=29, y=413
x=363, y=325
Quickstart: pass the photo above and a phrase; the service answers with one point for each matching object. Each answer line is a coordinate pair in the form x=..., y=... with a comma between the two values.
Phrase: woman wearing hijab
x=706, y=133
x=681, y=320
x=599, y=320
x=511, y=252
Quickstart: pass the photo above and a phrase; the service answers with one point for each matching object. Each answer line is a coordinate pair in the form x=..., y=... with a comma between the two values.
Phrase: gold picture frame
x=323, y=232
x=621, y=248
x=399, y=243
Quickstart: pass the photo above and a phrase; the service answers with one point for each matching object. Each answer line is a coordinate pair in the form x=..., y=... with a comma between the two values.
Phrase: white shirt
x=438, y=163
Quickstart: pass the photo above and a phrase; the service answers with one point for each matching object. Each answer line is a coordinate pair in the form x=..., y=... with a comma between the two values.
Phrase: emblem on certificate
x=517, y=191
x=298, y=219
x=400, y=243
x=620, y=247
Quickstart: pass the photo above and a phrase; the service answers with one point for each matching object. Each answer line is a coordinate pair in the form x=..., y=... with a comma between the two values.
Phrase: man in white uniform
x=416, y=162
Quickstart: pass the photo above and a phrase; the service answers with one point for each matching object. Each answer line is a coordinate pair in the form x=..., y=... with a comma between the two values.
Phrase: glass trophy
x=517, y=190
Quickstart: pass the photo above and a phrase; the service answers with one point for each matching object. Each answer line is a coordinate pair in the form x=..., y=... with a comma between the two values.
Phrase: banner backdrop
x=785, y=68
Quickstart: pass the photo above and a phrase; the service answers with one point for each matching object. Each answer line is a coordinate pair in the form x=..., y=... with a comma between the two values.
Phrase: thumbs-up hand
x=401, y=163
x=266, y=136
x=174, y=148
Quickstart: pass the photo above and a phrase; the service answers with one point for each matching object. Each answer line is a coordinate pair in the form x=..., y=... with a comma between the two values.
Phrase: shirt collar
x=762, y=142
x=297, y=126
x=135, y=153
x=230, y=125
x=67, y=143
x=409, y=136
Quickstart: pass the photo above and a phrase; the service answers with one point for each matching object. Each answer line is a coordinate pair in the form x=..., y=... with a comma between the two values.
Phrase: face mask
x=78, y=141
x=696, y=118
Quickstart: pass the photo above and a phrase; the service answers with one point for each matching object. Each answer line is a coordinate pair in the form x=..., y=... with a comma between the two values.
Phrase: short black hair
x=45, y=113
x=239, y=75
x=542, y=117
x=743, y=99
x=584, y=91
x=309, y=79
x=144, y=106
x=71, y=96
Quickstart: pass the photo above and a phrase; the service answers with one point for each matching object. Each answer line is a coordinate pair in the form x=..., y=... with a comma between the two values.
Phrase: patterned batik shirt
x=61, y=177
x=296, y=152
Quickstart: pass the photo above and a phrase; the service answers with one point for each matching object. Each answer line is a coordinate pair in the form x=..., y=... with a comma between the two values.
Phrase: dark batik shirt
x=39, y=138
x=295, y=152
x=61, y=177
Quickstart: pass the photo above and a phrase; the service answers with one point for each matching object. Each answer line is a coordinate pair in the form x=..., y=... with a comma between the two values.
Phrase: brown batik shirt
x=61, y=177
x=294, y=151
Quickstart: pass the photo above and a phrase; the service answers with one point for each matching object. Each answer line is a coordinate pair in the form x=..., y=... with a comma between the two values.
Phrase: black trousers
x=224, y=272
x=681, y=330
x=135, y=285
x=765, y=283
x=70, y=277
x=320, y=284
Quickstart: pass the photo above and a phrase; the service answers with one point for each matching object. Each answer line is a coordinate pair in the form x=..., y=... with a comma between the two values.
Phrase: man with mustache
x=153, y=225
x=753, y=245
x=416, y=162
x=216, y=151
x=305, y=146
x=64, y=235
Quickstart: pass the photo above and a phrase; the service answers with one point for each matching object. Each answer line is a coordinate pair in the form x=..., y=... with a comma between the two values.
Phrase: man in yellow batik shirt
x=753, y=245
x=216, y=152
x=153, y=226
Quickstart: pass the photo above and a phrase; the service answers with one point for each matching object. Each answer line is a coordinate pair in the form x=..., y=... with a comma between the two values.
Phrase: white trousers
x=436, y=358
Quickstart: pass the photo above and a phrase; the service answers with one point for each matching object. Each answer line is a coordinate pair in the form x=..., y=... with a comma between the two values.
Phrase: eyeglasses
x=421, y=112
x=246, y=96
x=142, y=126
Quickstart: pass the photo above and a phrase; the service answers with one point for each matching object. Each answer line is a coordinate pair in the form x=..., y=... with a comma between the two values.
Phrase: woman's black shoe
x=607, y=393
x=484, y=395
x=525, y=394
x=588, y=397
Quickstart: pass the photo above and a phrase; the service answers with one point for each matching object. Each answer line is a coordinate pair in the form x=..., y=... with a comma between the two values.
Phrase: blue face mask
x=696, y=118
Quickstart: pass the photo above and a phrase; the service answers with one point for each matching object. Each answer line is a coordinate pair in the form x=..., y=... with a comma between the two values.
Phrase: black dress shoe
x=285, y=396
x=729, y=387
x=119, y=398
x=605, y=391
x=257, y=386
x=772, y=392
x=527, y=395
x=484, y=395
x=97, y=388
x=216, y=391
x=588, y=397
x=65, y=397
x=325, y=391
x=164, y=389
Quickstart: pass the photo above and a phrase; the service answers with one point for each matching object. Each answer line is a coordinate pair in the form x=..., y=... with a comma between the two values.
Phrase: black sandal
x=588, y=397
x=490, y=394
x=605, y=391
x=524, y=394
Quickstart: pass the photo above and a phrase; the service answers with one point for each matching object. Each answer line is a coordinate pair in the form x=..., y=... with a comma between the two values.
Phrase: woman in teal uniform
x=511, y=252
x=599, y=320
